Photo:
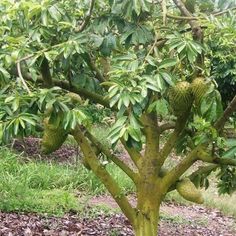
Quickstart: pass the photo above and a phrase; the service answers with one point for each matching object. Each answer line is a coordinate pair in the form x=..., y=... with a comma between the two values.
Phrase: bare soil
x=184, y=220
x=176, y=220
x=30, y=147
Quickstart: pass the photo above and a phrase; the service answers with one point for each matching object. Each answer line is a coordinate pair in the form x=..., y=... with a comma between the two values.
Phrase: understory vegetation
x=55, y=188
x=43, y=187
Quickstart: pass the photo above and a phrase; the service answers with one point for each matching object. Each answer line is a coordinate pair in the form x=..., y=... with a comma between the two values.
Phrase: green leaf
x=54, y=13
x=162, y=107
x=134, y=133
x=137, y=6
x=126, y=99
x=4, y=73
x=16, y=126
x=167, y=63
x=231, y=153
x=167, y=77
x=15, y=104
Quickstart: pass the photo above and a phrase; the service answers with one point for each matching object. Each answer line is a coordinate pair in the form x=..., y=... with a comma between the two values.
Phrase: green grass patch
x=225, y=203
x=48, y=187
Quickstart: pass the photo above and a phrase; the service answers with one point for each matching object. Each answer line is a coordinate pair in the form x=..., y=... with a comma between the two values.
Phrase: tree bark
x=148, y=207
x=145, y=225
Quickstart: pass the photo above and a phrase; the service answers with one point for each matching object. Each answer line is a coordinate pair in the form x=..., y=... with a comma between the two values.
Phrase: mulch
x=30, y=224
x=30, y=147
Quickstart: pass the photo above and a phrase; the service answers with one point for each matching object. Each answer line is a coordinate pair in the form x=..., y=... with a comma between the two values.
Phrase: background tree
x=144, y=60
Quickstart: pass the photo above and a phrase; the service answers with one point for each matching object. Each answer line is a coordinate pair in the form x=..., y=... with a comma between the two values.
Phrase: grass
x=225, y=203
x=51, y=188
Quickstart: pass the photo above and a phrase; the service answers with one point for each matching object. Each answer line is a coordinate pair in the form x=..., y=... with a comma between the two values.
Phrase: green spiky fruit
x=189, y=192
x=181, y=98
x=53, y=137
x=199, y=88
x=75, y=98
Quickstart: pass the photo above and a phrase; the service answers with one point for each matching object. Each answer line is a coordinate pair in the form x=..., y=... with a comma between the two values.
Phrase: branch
x=206, y=157
x=22, y=78
x=198, y=17
x=219, y=160
x=170, y=143
x=171, y=177
x=159, y=42
x=164, y=10
x=182, y=17
x=225, y=161
x=223, y=12
x=182, y=8
x=81, y=91
x=134, y=154
x=220, y=123
x=40, y=52
x=196, y=28
x=104, y=175
x=197, y=33
x=203, y=170
x=93, y=67
x=112, y=157
x=46, y=75
x=105, y=62
x=151, y=131
x=166, y=126
x=87, y=18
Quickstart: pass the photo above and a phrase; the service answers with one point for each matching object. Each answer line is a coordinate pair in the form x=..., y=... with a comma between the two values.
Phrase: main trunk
x=148, y=206
x=147, y=225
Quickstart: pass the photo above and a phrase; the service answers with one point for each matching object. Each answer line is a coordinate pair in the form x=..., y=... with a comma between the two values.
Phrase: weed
x=48, y=187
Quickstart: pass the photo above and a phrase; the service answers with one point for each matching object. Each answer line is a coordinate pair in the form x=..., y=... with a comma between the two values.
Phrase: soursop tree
x=149, y=63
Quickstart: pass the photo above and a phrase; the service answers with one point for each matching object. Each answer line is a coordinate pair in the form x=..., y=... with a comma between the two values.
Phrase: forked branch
x=112, y=157
x=220, y=123
x=133, y=153
x=87, y=18
x=171, y=141
x=103, y=174
x=181, y=168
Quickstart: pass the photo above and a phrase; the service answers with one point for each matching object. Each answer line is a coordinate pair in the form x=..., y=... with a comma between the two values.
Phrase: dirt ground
x=176, y=220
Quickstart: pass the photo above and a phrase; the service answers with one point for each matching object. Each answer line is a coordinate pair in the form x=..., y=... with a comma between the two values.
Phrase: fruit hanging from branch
x=188, y=191
x=199, y=88
x=181, y=98
x=53, y=137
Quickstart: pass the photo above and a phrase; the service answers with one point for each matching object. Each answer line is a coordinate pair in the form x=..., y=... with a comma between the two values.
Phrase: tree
x=145, y=60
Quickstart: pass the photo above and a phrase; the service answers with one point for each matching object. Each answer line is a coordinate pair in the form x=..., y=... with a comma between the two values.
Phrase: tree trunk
x=147, y=224
x=148, y=206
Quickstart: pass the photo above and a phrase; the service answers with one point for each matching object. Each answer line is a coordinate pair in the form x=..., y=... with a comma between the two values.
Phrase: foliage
x=223, y=55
